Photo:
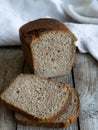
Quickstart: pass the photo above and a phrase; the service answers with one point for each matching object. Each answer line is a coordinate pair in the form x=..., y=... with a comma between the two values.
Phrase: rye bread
x=48, y=46
x=66, y=119
x=37, y=98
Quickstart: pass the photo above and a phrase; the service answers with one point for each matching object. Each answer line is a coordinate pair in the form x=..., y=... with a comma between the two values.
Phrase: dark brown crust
x=52, y=124
x=44, y=25
x=32, y=30
x=27, y=53
x=15, y=108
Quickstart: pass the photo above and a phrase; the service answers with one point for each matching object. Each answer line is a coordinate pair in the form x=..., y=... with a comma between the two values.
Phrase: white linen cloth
x=85, y=11
x=87, y=38
x=14, y=14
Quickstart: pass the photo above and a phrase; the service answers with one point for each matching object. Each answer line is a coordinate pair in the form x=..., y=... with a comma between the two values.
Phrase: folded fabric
x=85, y=11
x=87, y=35
x=14, y=14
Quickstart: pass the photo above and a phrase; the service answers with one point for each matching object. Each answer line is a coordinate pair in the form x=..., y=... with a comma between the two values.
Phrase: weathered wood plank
x=66, y=79
x=11, y=62
x=23, y=127
x=86, y=82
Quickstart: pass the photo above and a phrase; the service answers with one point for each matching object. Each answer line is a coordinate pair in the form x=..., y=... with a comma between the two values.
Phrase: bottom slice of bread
x=69, y=117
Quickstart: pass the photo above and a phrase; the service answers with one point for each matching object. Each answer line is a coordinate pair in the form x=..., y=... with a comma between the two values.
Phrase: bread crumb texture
x=53, y=53
x=39, y=97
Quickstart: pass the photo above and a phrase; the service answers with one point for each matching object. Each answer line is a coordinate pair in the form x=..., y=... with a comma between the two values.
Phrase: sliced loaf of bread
x=37, y=98
x=48, y=46
x=67, y=118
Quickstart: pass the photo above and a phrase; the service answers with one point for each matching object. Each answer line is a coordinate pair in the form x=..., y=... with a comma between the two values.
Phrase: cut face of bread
x=48, y=46
x=53, y=53
x=67, y=118
x=37, y=98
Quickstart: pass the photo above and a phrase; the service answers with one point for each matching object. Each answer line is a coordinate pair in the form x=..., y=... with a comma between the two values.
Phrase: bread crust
x=55, y=116
x=51, y=124
x=35, y=29
x=27, y=53
x=45, y=24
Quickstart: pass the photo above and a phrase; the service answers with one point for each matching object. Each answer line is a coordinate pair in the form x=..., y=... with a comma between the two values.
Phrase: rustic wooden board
x=86, y=82
x=66, y=79
x=85, y=78
x=11, y=64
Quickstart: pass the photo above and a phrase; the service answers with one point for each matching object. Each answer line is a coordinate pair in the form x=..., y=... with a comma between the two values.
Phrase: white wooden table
x=84, y=77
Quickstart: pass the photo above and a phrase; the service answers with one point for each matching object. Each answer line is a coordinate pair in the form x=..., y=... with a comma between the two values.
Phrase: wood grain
x=11, y=64
x=86, y=82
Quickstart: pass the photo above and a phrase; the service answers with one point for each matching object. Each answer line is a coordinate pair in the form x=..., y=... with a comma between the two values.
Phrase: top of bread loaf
x=36, y=27
x=37, y=98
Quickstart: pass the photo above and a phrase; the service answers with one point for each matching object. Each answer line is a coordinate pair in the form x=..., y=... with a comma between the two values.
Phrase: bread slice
x=69, y=117
x=38, y=98
x=48, y=47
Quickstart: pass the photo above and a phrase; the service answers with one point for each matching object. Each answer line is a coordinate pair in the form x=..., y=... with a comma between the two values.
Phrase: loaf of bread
x=66, y=119
x=48, y=46
x=37, y=98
